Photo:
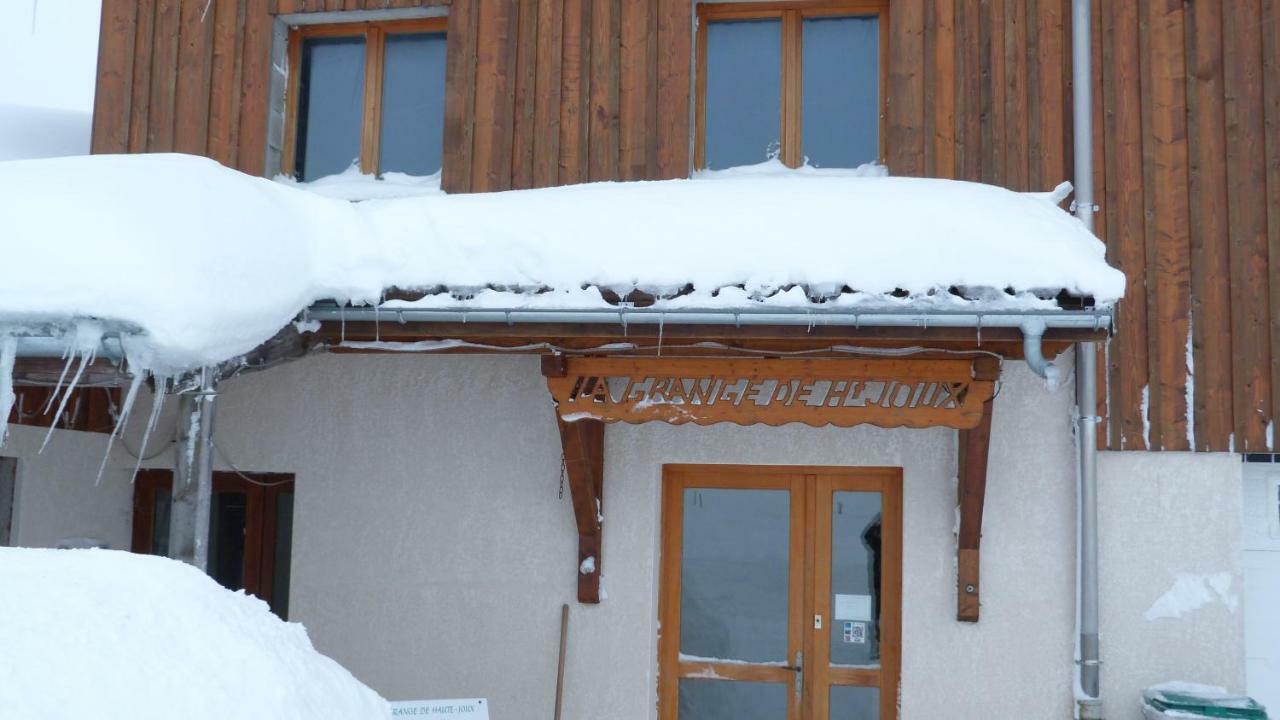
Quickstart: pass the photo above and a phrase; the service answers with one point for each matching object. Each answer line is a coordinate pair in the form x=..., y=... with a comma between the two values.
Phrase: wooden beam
x=972, y=462
x=583, y=445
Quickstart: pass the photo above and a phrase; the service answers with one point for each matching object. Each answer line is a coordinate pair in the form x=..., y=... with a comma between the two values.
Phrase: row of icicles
x=82, y=345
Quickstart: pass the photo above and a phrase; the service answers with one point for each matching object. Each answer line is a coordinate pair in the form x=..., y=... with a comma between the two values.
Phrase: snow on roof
x=96, y=633
x=208, y=262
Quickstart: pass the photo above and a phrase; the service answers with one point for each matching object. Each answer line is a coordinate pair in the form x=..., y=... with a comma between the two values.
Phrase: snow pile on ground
x=33, y=132
x=355, y=185
x=207, y=263
x=103, y=634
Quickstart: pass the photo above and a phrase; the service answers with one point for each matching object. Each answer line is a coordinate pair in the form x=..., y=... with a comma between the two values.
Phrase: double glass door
x=780, y=593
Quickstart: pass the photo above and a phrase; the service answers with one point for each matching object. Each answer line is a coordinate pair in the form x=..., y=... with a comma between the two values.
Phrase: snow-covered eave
x=58, y=338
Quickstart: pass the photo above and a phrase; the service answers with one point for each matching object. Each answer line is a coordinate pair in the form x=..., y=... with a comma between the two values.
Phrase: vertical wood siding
x=547, y=92
x=1187, y=171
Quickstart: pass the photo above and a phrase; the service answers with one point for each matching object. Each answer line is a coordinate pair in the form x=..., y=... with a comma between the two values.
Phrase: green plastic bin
x=1185, y=700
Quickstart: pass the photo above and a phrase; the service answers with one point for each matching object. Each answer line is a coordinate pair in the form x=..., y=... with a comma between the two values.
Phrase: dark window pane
x=160, y=522
x=330, y=106
x=226, y=539
x=841, y=106
x=8, y=481
x=744, y=92
x=413, y=103
x=283, y=555
x=855, y=703
x=732, y=700
x=734, y=577
x=855, y=578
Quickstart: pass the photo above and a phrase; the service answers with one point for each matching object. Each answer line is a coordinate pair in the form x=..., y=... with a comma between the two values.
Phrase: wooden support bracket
x=583, y=445
x=973, y=449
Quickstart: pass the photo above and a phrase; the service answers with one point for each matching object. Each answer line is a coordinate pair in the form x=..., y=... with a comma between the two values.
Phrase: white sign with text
x=473, y=709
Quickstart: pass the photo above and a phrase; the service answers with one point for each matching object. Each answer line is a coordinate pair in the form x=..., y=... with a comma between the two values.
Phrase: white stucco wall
x=1161, y=516
x=56, y=496
x=432, y=554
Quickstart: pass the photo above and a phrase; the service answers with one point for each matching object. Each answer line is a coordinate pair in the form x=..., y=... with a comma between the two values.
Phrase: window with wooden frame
x=799, y=81
x=780, y=593
x=369, y=94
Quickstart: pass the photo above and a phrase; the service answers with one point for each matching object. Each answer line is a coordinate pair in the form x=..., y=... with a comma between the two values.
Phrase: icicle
x=157, y=403
x=8, y=353
x=125, y=409
x=88, y=338
x=69, y=355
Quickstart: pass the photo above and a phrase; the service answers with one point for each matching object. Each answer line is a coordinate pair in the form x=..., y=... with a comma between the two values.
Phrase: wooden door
x=780, y=593
x=250, y=529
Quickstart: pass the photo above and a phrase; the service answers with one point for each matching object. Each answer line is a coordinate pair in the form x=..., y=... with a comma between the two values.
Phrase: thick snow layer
x=28, y=133
x=105, y=634
x=209, y=262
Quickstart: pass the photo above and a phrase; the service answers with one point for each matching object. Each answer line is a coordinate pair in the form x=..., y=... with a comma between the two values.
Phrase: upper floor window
x=371, y=94
x=795, y=80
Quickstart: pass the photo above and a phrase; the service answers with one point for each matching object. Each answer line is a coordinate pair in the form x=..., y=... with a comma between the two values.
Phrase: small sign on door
x=475, y=709
x=855, y=633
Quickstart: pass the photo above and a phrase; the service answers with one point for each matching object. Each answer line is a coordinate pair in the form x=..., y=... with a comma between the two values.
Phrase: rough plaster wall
x=56, y=496
x=428, y=532
x=1161, y=514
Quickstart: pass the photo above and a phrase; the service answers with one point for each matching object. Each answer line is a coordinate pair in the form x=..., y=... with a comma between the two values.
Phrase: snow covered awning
x=208, y=263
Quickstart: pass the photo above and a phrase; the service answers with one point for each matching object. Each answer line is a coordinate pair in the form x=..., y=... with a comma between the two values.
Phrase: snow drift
x=208, y=263
x=103, y=634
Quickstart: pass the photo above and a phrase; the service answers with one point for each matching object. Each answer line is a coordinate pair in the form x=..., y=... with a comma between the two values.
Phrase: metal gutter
x=1053, y=319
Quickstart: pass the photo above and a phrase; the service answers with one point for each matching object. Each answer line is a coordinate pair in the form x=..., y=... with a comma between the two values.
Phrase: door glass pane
x=732, y=700
x=283, y=554
x=854, y=703
x=413, y=103
x=744, y=91
x=841, y=91
x=855, y=578
x=330, y=106
x=734, y=574
x=226, y=539
x=160, y=522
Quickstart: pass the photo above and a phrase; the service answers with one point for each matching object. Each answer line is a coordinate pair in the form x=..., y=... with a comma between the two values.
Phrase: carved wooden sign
x=841, y=392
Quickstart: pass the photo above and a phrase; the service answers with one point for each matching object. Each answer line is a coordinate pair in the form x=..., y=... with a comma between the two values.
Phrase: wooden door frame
x=809, y=568
x=262, y=492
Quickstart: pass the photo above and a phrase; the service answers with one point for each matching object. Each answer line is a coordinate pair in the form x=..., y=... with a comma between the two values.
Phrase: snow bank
x=209, y=263
x=34, y=132
x=103, y=634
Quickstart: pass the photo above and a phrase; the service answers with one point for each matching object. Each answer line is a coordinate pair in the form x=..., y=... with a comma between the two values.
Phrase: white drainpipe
x=1087, y=674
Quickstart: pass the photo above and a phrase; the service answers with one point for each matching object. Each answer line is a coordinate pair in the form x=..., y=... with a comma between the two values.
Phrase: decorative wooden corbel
x=583, y=444
x=972, y=473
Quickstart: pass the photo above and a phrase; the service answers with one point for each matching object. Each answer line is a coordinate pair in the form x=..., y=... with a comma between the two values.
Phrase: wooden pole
x=564, y=636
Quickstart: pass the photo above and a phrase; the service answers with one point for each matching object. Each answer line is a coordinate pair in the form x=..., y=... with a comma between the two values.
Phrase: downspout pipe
x=193, y=480
x=1088, y=680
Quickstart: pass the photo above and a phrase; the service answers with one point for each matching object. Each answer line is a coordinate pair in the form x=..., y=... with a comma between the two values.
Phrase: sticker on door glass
x=855, y=632
x=853, y=607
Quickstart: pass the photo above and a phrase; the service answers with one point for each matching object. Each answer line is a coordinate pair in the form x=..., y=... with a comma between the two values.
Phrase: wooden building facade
x=548, y=92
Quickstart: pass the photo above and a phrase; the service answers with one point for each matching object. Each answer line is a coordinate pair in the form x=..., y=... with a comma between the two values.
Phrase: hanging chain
x=560, y=494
